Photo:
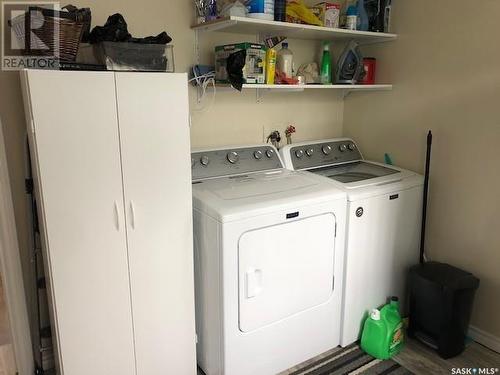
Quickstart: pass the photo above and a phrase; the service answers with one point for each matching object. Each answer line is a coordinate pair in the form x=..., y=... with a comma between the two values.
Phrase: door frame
x=11, y=272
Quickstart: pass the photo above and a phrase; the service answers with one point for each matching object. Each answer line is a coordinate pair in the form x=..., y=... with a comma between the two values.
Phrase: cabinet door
x=154, y=133
x=75, y=147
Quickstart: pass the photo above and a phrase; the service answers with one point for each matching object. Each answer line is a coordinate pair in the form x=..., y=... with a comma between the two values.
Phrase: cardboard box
x=254, y=70
x=328, y=13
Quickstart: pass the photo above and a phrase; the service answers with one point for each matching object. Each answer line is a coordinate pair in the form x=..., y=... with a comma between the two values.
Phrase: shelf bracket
x=258, y=92
x=258, y=96
x=197, y=60
x=197, y=47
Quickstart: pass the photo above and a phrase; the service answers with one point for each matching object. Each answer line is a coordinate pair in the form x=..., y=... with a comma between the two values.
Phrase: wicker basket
x=46, y=43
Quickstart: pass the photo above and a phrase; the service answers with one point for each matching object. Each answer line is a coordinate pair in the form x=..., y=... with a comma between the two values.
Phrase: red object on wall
x=370, y=65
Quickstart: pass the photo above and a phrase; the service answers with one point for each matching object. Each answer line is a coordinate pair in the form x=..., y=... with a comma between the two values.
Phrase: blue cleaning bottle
x=363, y=22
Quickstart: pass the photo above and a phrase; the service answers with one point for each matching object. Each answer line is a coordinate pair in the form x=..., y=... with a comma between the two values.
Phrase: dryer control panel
x=307, y=156
x=234, y=161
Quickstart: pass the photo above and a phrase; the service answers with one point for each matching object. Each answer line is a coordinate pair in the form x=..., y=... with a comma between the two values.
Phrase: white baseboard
x=485, y=338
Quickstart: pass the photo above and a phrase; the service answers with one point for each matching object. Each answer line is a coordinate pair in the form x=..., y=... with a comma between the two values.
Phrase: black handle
x=426, y=190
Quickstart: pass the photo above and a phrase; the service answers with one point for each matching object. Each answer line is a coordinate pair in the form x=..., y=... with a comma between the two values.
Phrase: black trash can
x=441, y=298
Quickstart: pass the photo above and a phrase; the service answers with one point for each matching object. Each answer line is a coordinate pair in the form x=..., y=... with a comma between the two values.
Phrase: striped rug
x=353, y=361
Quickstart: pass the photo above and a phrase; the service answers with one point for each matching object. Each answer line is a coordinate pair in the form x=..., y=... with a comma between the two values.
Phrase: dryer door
x=285, y=269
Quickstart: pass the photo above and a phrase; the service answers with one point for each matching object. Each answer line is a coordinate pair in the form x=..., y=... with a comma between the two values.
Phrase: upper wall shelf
x=244, y=25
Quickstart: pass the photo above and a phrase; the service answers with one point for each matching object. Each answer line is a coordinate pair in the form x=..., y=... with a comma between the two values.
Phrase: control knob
x=352, y=146
x=342, y=147
x=270, y=153
x=232, y=157
x=327, y=149
x=204, y=160
x=299, y=153
x=257, y=154
x=310, y=152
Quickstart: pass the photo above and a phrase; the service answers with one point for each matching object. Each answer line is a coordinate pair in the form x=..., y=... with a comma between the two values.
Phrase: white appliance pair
x=273, y=286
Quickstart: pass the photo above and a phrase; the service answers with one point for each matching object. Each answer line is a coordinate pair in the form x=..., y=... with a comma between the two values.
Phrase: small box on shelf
x=328, y=13
x=254, y=70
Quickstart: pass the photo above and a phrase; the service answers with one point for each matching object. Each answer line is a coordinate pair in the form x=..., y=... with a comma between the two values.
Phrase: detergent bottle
x=383, y=333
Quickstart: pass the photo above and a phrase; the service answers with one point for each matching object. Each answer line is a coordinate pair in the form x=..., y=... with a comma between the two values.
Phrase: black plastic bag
x=115, y=30
x=161, y=38
x=234, y=67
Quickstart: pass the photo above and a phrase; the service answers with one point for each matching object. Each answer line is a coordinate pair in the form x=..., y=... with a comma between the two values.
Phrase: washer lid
x=357, y=171
x=370, y=180
x=261, y=192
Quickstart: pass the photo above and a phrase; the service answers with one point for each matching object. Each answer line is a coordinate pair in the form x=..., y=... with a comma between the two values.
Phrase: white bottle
x=351, y=18
x=284, y=61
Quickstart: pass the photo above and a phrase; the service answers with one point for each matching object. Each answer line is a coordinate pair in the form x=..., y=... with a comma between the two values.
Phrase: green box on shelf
x=254, y=70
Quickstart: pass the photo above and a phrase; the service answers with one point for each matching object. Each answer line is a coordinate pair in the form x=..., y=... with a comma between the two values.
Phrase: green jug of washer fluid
x=383, y=332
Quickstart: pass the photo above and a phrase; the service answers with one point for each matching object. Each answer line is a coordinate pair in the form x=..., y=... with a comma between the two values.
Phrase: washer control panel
x=233, y=161
x=327, y=153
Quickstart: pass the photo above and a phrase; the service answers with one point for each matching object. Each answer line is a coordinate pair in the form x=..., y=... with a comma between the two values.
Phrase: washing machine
x=269, y=255
x=384, y=211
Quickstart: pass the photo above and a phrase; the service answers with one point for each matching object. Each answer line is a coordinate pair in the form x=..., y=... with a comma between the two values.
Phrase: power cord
x=202, y=81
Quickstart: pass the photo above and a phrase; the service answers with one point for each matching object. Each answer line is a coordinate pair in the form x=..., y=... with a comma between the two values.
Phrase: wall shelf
x=343, y=89
x=244, y=25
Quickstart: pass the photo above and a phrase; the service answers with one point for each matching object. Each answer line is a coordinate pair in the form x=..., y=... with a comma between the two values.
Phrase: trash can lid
x=446, y=275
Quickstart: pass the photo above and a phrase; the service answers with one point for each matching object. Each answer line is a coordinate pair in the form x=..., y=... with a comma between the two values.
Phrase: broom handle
x=426, y=190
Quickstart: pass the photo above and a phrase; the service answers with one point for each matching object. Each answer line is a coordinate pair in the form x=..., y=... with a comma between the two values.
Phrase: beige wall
x=446, y=74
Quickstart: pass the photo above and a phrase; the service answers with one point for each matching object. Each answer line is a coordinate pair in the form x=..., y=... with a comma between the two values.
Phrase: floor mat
x=353, y=361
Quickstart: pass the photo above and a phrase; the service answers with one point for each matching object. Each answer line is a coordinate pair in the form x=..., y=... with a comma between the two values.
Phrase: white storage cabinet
x=111, y=160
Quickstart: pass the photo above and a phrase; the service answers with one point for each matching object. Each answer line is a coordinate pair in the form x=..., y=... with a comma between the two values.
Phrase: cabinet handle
x=132, y=214
x=117, y=216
